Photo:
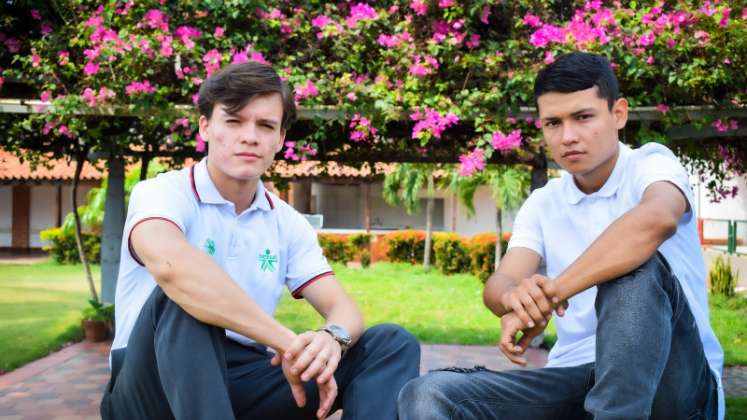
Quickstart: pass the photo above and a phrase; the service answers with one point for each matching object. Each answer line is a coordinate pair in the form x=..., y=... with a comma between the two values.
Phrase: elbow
x=663, y=225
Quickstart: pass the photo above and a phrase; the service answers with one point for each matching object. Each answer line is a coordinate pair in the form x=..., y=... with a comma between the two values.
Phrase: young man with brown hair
x=208, y=252
x=624, y=274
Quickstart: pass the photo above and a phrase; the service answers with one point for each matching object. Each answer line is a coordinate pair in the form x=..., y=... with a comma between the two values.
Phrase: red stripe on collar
x=272, y=205
x=192, y=181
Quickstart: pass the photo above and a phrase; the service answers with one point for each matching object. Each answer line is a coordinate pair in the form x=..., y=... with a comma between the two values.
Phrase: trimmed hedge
x=344, y=248
x=64, y=248
x=451, y=252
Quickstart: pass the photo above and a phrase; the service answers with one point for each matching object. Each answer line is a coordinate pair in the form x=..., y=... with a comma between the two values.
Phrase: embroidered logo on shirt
x=267, y=261
x=210, y=246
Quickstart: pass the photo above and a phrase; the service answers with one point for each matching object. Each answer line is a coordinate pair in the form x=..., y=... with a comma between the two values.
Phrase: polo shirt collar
x=205, y=191
x=573, y=195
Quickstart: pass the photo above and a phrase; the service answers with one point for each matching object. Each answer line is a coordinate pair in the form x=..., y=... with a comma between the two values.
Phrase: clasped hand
x=530, y=306
x=313, y=354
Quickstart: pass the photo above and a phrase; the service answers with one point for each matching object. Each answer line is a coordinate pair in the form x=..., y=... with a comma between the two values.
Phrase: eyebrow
x=575, y=114
x=269, y=120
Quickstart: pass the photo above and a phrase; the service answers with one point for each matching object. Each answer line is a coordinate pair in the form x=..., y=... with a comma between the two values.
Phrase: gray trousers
x=176, y=367
x=650, y=364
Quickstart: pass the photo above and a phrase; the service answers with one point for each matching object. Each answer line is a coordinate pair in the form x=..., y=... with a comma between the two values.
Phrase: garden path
x=67, y=385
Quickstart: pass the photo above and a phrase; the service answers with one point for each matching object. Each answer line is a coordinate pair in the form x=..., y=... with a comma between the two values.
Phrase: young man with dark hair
x=207, y=254
x=625, y=275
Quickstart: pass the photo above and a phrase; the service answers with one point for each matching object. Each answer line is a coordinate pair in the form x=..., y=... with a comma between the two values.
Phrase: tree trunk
x=82, y=157
x=429, y=225
x=144, y=162
x=498, y=241
x=111, y=235
x=539, y=170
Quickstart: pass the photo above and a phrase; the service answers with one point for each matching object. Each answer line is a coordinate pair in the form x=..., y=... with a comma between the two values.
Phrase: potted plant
x=97, y=320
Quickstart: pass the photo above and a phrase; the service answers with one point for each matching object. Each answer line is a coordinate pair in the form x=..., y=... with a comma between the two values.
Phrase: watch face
x=340, y=333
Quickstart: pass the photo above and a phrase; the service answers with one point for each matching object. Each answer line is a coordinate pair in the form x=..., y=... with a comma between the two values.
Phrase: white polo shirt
x=559, y=222
x=267, y=247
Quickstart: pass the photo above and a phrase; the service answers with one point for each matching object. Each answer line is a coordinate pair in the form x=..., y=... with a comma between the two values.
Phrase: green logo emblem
x=267, y=261
x=210, y=246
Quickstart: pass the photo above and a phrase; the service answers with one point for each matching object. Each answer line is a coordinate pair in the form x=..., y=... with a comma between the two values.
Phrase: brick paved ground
x=68, y=385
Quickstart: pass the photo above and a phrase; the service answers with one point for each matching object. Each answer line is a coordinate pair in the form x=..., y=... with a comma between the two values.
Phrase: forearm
x=203, y=289
x=624, y=246
x=496, y=289
x=345, y=314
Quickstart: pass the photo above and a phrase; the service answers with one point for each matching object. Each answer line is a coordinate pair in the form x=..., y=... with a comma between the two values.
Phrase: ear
x=279, y=146
x=203, y=126
x=620, y=113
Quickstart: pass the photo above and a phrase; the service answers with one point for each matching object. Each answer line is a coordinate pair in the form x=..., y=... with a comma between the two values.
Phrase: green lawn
x=40, y=308
x=736, y=409
x=437, y=309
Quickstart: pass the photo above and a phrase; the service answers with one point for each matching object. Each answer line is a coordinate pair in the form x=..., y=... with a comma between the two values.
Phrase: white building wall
x=6, y=215
x=42, y=208
x=729, y=208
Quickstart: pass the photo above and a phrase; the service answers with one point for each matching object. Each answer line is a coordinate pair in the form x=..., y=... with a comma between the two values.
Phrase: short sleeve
x=658, y=163
x=527, y=230
x=306, y=262
x=155, y=199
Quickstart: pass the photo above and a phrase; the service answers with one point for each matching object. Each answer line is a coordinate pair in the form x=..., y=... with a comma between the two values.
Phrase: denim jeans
x=650, y=364
x=176, y=367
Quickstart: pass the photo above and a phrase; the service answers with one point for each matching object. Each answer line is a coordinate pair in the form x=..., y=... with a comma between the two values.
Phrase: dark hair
x=578, y=71
x=235, y=85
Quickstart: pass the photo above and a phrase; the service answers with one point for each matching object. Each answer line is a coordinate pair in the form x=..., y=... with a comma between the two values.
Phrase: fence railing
x=732, y=239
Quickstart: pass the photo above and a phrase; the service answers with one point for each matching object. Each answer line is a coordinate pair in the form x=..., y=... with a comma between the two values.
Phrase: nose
x=570, y=135
x=249, y=134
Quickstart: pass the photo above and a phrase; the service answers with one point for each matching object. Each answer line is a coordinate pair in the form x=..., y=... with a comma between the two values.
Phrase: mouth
x=572, y=154
x=248, y=156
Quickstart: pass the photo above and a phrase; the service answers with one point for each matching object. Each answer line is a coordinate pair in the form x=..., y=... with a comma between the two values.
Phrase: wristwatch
x=340, y=335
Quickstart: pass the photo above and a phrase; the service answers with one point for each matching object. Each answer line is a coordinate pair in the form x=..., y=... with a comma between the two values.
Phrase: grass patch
x=736, y=409
x=40, y=306
x=729, y=322
x=437, y=309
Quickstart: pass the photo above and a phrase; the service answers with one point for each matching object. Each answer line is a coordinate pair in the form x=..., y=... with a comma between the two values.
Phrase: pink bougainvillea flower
x=501, y=141
x=240, y=57
x=200, y=144
x=548, y=57
x=433, y=121
x=212, y=57
x=91, y=69
x=646, y=40
x=307, y=90
x=137, y=87
x=511, y=120
x=727, y=61
x=531, y=20
x=703, y=36
x=662, y=108
x=484, y=15
x=258, y=57
x=35, y=14
x=670, y=42
x=35, y=60
x=46, y=28
x=320, y=21
x=156, y=19
x=650, y=60
x=219, y=31
x=419, y=6
x=419, y=70
x=45, y=96
x=195, y=98
x=388, y=40
x=352, y=96
x=734, y=125
x=444, y=3
x=65, y=131
x=48, y=126
x=13, y=45
x=358, y=12
x=474, y=42
x=471, y=162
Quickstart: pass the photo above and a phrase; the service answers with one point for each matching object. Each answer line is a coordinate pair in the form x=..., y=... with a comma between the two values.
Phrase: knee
x=654, y=273
x=425, y=396
x=393, y=333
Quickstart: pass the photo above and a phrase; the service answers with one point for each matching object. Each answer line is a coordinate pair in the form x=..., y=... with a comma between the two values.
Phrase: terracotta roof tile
x=12, y=169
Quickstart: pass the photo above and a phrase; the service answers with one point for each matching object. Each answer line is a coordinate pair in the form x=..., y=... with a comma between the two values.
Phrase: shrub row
x=451, y=253
x=344, y=248
x=64, y=248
